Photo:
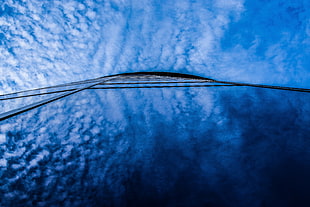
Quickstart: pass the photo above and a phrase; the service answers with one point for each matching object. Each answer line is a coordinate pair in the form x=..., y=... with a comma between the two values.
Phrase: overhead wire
x=55, y=86
x=29, y=107
x=102, y=83
x=115, y=87
x=306, y=90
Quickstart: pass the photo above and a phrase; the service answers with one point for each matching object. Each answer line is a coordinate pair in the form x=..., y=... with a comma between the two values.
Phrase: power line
x=115, y=87
x=98, y=79
x=140, y=76
x=29, y=107
x=56, y=86
x=266, y=86
x=63, y=85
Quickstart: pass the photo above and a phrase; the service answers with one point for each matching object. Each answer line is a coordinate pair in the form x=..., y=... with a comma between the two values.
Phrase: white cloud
x=3, y=163
x=2, y=138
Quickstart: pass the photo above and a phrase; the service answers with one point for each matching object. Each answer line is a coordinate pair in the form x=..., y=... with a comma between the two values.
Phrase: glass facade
x=204, y=146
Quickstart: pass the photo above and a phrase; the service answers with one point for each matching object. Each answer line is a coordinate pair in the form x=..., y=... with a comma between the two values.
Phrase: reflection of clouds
x=129, y=145
x=90, y=138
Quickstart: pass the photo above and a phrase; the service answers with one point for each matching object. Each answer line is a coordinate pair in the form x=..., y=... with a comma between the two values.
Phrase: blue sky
x=204, y=146
x=44, y=43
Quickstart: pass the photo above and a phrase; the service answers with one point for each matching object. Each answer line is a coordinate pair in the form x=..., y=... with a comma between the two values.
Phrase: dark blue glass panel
x=223, y=146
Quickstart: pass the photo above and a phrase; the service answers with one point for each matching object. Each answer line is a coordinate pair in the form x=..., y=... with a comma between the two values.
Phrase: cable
x=178, y=86
x=84, y=82
x=29, y=107
x=66, y=90
x=118, y=83
x=56, y=86
x=306, y=90
x=103, y=80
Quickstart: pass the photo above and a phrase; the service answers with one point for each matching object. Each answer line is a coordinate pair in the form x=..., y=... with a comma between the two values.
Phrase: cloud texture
x=232, y=146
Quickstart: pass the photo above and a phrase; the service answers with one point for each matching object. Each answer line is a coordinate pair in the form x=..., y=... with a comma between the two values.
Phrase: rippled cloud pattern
x=221, y=146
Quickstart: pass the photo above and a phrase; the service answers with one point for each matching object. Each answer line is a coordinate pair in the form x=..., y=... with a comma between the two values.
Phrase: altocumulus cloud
x=45, y=43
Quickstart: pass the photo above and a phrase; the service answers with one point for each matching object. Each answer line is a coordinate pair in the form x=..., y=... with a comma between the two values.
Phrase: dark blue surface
x=160, y=147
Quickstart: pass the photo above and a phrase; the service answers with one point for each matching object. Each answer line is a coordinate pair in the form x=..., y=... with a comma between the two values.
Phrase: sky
x=234, y=146
x=50, y=42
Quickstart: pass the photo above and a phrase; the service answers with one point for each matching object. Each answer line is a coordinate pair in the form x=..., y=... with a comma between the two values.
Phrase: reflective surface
x=223, y=146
